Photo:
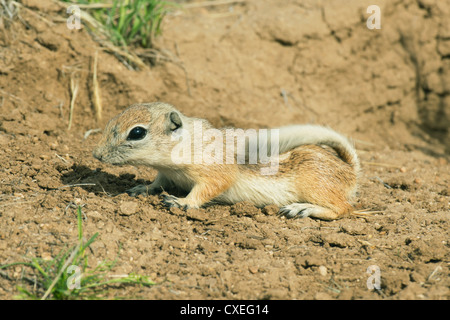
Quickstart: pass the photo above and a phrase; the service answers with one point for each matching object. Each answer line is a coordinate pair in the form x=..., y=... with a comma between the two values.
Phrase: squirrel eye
x=137, y=133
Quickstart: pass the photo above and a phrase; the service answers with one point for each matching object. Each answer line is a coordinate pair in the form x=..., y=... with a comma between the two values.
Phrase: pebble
x=128, y=208
x=270, y=210
x=253, y=269
x=323, y=270
x=36, y=166
x=46, y=256
x=94, y=214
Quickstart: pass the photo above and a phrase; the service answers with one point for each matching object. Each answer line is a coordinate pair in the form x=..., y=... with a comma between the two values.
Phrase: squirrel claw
x=296, y=210
x=172, y=202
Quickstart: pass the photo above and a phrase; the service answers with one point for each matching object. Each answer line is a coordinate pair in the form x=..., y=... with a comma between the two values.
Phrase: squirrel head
x=140, y=135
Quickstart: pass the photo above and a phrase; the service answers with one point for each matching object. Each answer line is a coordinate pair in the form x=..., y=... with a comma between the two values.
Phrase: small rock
x=46, y=40
x=244, y=208
x=94, y=214
x=128, y=208
x=403, y=169
x=46, y=256
x=37, y=166
x=354, y=228
x=253, y=269
x=270, y=210
x=323, y=271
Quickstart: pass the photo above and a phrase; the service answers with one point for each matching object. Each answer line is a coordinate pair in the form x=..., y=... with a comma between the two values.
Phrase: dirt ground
x=254, y=64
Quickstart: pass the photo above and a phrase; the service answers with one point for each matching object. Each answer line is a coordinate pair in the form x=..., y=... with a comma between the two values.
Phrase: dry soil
x=253, y=64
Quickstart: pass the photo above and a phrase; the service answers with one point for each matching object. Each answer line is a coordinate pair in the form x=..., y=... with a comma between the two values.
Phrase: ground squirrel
x=312, y=172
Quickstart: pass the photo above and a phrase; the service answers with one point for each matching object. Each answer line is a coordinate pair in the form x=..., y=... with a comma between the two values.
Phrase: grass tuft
x=68, y=275
x=8, y=11
x=129, y=22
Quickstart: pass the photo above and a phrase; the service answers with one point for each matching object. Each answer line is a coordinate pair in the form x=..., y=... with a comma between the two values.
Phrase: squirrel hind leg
x=303, y=210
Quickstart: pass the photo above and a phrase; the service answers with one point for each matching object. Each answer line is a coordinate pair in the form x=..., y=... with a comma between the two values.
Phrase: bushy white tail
x=293, y=136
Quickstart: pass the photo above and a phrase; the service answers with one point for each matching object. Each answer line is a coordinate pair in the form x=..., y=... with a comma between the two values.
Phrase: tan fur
x=311, y=180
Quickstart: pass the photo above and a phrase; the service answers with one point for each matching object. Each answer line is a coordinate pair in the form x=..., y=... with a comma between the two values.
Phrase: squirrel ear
x=175, y=121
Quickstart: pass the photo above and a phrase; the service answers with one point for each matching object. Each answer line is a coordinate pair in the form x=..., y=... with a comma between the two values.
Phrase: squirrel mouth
x=117, y=164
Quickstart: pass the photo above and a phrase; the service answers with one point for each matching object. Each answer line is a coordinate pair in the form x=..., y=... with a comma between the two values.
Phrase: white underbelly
x=260, y=191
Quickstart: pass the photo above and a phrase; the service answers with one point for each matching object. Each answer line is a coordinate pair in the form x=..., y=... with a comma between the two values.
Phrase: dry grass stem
x=96, y=94
x=73, y=94
x=68, y=262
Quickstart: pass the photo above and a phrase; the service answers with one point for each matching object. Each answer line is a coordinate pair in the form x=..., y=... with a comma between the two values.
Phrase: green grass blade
x=38, y=267
x=4, y=266
x=80, y=224
x=89, y=242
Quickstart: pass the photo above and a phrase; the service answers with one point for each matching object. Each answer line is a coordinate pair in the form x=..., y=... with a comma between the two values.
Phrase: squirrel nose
x=97, y=154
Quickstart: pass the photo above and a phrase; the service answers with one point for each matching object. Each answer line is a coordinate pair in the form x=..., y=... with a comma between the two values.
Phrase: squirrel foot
x=173, y=202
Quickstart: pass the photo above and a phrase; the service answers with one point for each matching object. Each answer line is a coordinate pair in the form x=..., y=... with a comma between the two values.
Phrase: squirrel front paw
x=141, y=189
